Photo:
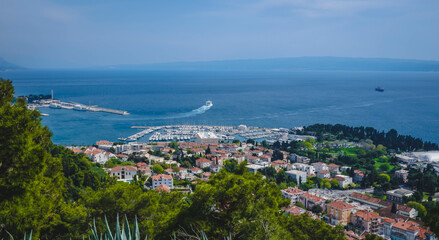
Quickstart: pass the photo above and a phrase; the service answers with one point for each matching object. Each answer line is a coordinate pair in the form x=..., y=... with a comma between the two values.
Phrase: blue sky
x=59, y=34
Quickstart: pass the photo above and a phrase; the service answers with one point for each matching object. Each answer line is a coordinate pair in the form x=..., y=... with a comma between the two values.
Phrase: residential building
x=366, y=221
x=309, y=169
x=397, y=195
x=398, y=229
x=309, y=200
x=339, y=212
x=292, y=194
x=319, y=166
x=333, y=169
x=343, y=181
x=163, y=187
x=298, y=176
x=299, y=159
x=253, y=168
x=162, y=179
x=358, y=176
x=384, y=207
x=294, y=210
x=105, y=145
x=124, y=173
x=196, y=170
x=203, y=162
x=323, y=174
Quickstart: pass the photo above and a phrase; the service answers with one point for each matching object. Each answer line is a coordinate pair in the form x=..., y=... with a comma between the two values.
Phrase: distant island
x=7, y=66
x=289, y=64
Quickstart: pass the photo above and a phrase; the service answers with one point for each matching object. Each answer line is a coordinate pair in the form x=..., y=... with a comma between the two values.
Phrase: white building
x=124, y=173
x=104, y=144
x=323, y=174
x=292, y=194
x=162, y=179
x=343, y=180
x=207, y=138
x=253, y=168
x=299, y=176
x=319, y=166
x=304, y=167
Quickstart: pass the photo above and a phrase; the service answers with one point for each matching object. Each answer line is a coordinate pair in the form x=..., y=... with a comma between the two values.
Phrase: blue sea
x=409, y=104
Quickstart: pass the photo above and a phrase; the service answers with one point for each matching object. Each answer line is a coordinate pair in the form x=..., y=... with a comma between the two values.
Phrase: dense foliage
x=391, y=139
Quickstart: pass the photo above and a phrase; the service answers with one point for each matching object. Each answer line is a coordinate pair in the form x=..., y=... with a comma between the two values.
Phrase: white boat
x=208, y=103
x=55, y=105
x=79, y=108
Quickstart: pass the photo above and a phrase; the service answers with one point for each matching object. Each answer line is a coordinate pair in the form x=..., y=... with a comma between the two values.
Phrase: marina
x=225, y=133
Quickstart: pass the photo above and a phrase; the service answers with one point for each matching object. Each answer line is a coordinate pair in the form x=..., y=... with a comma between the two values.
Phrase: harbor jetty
x=54, y=103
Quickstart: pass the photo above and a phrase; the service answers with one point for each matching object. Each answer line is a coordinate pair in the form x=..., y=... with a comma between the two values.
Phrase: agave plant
x=28, y=237
x=123, y=233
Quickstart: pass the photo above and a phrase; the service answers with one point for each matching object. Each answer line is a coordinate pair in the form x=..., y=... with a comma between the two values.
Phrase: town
x=383, y=201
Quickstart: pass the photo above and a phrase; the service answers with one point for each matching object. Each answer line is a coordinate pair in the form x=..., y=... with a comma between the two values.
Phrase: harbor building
x=207, y=138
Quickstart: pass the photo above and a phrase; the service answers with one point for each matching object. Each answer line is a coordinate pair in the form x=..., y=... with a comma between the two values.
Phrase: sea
x=409, y=103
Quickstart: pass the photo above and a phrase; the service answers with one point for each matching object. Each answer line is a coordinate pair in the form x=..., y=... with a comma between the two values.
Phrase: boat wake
x=194, y=112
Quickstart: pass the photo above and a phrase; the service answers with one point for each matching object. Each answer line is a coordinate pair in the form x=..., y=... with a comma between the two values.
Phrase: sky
x=83, y=33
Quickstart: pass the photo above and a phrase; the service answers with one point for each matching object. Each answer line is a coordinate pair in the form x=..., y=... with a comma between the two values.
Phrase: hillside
x=6, y=66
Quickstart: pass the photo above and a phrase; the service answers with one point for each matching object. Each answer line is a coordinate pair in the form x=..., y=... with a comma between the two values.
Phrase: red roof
x=139, y=164
x=195, y=169
x=127, y=168
x=293, y=190
x=340, y=205
x=332, y=165
x=407, y=225
x=366, y=215
x=317, y=163
x=312, y=197
x=203, y=160
x=162, y=187
x=104, y=142
x=323, y=171
x=159, y=177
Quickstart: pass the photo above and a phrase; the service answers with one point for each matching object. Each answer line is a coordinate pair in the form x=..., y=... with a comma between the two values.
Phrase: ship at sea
x=208, y=104
x=379, y=89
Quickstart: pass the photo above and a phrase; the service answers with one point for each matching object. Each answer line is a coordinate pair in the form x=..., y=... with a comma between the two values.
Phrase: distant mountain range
x=288, y=64
x=6, y=66
x=274, y=64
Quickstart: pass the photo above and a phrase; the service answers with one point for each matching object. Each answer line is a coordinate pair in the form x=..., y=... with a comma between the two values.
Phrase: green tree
x=231, y=165
x=31, y=180
x=243, y=204
x=317, y=209
x=158, y=169
x=393, y=210
x=334, y=183
x=173, y=145
x=373, y=237
x=422, y=211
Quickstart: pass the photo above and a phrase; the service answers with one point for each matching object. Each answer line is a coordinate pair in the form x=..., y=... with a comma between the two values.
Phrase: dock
x=53, y=103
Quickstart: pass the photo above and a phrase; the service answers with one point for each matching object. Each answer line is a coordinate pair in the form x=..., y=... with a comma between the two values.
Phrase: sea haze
x=410, y=102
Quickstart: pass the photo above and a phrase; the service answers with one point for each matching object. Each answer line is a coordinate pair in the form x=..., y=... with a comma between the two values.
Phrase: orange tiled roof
x=158, y=177
x=162, y=187
x=340, y=205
